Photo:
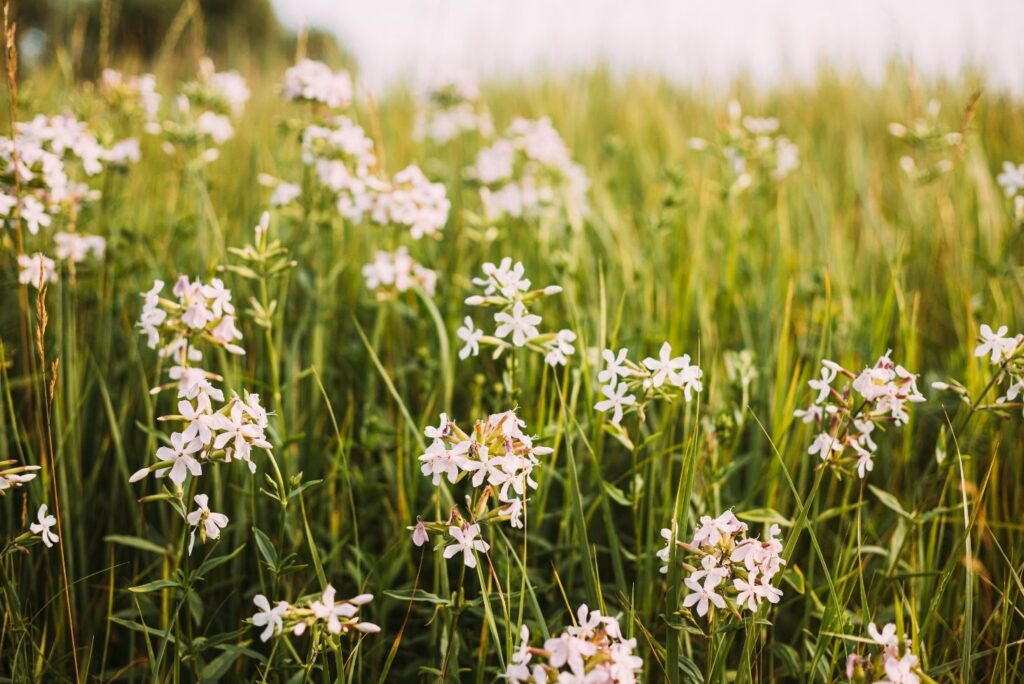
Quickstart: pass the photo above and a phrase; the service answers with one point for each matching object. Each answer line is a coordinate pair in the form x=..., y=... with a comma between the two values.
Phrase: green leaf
x=211, y=563
x=890, y=501
x=155, y=585
x=135, y=543
x=218, y=667
x=265, y=547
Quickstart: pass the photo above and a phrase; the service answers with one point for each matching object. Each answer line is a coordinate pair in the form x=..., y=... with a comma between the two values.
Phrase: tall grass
x=844, y=260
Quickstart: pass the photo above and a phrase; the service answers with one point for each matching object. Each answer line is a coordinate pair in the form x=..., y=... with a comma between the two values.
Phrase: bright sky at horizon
x=686, y=40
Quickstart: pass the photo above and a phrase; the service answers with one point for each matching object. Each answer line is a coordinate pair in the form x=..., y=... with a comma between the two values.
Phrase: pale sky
x=686, y=40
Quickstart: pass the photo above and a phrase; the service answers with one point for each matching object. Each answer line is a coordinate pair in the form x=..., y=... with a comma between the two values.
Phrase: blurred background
x=685, y=40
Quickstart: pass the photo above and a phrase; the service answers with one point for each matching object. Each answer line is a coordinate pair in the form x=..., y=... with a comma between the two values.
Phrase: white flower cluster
x=932, y=145
x=74, y=247
x=528, y=172
x=396, y=271
x=449, y=106
x=725, y=553
x=892, y=663
x=498, y=456
x=593, y=651
x=506, y=288
x=1011, y=180
x=313, y=81
x=322, y=612
x=13, y=475
x=45, y=160
x=133, y=93
x=848, y=417
x=412, y=201
x=201, y=311
x=665, y=377
x=753, y=149
x=205, y=109
x=343, y=158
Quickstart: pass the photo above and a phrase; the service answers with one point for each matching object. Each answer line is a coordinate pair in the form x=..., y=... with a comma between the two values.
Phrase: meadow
x=295, y=459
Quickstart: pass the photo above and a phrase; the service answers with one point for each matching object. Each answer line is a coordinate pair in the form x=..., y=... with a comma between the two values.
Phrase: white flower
x=217, y=126
x=33, y=213
x=569, y=650
x=886, y=638
x=617, y=398
x=466, y=541
x=268, y=617
x=812, y=414
x=664, y=553
x=42, y=528
x=36, y=269
x=747, y=589
x=521, y=324
x=284, y=193
x=1011, y=179
x=419, y=534
x=314, y=81
x=561, y=348
x=614, y=367
x=901, y=670
x=824, y=444
x=180, y=452
x=200, y=419
x=208, y=523
x=665, y=367
x=437, y=462
x=506, y=278
x=824, y=385
x=327, y=609
x=77, y=246
x=238, y=434
x=996, y=344
x=702, y=595
x=471, y=335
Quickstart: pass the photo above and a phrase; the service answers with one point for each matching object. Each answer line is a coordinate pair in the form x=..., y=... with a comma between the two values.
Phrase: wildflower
x=702, y=595
x=560, y=348
x=179, y=454
x=12, y=475
x=617, y=399
x=208, y=523
x=471, y=335
x=239, y=432
x=466, y=541
x=1011, y=179
x=823, y=386
x=36, y=269
x=398, y=271
x=419, y=534
x=43, y=526
x=313, y=81
x=996, y=344
x=614, y=366
x=824, y=444
x=284, y=194
x=520, y=323
x=76, y=247
x=268, y=617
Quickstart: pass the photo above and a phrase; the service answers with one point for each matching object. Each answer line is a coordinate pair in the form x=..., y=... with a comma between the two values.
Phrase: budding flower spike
x=506, y=288
x=847, y=417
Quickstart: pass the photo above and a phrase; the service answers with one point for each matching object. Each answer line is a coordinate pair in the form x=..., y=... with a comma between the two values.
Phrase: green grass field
x=846, y=257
